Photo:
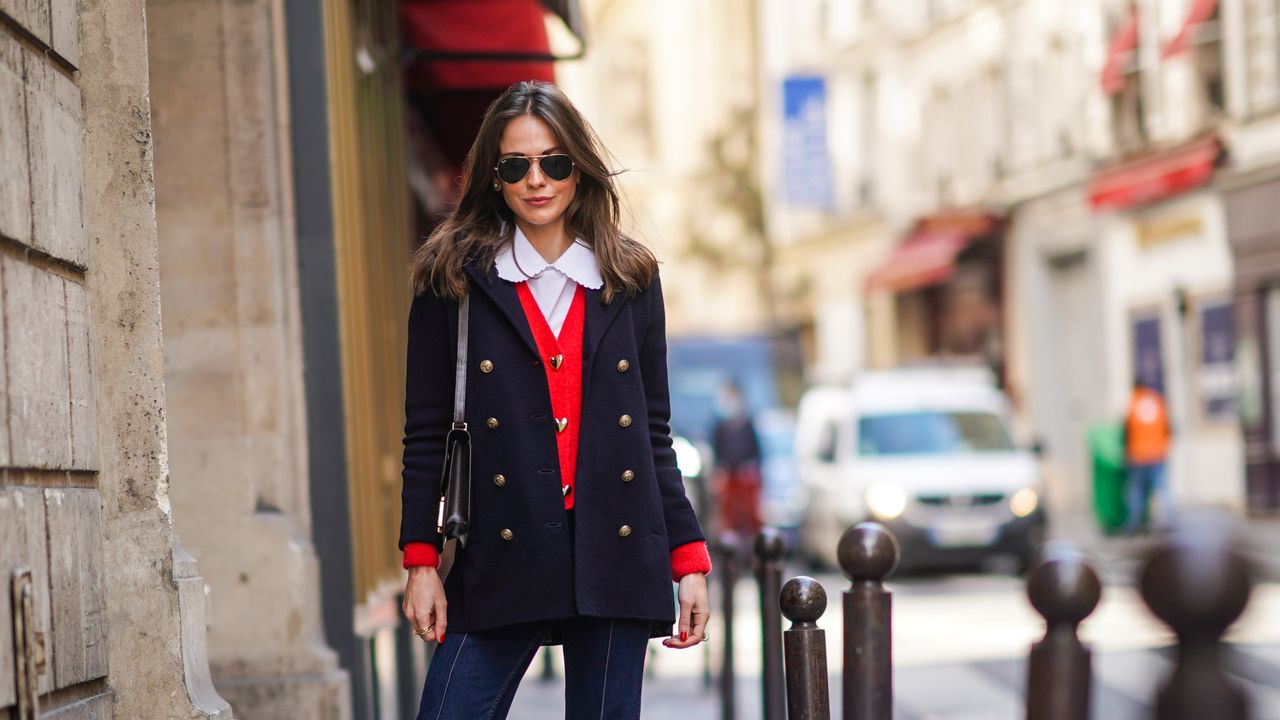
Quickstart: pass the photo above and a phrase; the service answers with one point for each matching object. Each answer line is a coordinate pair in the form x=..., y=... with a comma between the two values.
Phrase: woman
x=579, y=518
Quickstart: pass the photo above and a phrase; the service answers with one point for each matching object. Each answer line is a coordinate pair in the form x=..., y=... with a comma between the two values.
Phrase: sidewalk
x=1120, y=557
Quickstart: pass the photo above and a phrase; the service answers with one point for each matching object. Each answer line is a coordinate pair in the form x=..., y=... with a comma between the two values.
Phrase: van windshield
x=932, y=433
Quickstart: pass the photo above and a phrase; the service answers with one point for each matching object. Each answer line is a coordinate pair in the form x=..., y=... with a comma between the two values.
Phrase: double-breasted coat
x=521, y=562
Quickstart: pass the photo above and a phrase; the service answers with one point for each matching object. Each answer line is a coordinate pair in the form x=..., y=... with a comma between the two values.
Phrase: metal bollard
x=1064, y=590
x=769, y=548
x=803, y=601
x=868, y=553
x=728, y=550
x=1197, y=585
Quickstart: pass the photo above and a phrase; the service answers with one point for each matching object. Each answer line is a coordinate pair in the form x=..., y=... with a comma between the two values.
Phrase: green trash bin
x=1110, y=475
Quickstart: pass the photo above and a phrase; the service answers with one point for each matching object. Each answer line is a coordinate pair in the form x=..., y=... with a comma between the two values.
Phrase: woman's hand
x=695, y=611
x=425, y=605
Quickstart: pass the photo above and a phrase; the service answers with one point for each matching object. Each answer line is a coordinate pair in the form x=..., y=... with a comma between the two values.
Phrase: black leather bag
x=454, y=520
x=455, y=487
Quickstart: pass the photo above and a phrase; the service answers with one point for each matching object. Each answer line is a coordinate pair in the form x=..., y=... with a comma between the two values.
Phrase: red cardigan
x=564, y=380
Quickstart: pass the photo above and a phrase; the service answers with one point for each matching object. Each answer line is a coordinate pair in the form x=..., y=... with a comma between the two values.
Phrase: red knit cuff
x=690, y=558
x=419, y=554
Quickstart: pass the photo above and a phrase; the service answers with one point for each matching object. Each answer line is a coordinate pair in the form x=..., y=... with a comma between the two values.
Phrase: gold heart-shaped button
x=556, y=361
x=561, y=424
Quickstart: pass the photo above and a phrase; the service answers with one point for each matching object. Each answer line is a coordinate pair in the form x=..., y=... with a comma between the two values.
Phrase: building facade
x=1051, y=187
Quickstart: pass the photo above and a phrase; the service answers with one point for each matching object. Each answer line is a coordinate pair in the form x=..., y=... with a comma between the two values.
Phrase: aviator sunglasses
x=513, y=169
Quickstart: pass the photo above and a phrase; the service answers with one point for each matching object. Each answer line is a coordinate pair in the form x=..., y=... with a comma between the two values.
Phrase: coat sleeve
x=682, y=524
x=428, y=411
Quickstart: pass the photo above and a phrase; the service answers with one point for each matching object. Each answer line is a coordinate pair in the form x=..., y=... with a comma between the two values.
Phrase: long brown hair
x=482, y=223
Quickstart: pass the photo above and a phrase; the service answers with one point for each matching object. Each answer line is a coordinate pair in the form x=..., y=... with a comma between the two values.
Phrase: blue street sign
x=806, y=166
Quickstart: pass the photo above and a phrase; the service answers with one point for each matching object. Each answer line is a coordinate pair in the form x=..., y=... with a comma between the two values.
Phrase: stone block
x=22, y=544
x=56, y=150
x=5, y=460
x=97, y=707
x=75, y=574
x=36, y=358
x=84, y=415
x=15, y=188
x=32, y=15
x=64, y=30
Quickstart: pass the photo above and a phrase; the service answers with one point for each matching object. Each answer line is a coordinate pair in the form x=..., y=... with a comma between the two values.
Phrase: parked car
x=928, y=452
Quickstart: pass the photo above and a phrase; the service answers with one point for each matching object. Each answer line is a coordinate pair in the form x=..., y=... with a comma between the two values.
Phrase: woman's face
x=536, y=199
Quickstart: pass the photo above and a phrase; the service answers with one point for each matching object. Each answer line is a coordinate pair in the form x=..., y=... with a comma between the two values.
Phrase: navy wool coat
x=544, y=572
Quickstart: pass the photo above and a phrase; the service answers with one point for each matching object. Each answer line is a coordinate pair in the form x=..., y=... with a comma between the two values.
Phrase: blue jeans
x=1146, y=480
x=474, y=676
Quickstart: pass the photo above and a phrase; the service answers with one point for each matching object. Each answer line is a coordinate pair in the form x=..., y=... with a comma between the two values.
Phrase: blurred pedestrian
x=737, y=464
x=580, y=520
x=1147, y=434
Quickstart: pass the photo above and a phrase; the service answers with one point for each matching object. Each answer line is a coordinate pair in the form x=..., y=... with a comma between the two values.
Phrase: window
x=1208, y=62
x=1122, y=80
x=868, y=125
x=1216, y=375
x=932, y=433
x=1262, y=55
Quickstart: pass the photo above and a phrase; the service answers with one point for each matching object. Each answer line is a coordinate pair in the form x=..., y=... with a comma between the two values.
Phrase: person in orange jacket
x=1147, y=433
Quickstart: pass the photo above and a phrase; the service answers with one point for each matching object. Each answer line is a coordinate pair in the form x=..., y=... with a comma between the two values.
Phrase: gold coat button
x=486, y=366
x=628, y=476
x=625, y=421
x=507, y=534
x=624, y=531
x=500, y=480
x=623, y=365
x=492, y=423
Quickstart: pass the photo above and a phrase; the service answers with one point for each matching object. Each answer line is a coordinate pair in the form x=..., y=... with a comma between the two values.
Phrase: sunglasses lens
x=557, y=167
x=511, y=169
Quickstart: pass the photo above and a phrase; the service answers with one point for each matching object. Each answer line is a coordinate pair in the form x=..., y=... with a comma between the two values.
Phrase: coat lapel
x=597, y=318
x=504, y=296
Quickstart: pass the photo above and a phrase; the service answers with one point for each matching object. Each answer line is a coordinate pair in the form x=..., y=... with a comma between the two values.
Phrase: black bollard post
x=728, y=547
x=1064, y=590
x=1197, y=585
x=769, y=548
x=803, y=601
x=868, y=553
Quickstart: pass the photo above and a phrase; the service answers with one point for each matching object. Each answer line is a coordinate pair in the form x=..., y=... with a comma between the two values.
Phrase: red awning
x=475, y=27
x=926, y=258
x=1201, y=10
x=1122, y=48
x=1156, y=177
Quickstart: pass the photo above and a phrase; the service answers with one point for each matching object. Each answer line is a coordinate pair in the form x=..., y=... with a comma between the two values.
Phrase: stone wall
x=232, y=339
x=83, y=464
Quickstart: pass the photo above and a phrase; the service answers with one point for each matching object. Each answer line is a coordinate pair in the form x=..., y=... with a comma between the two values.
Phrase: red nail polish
x=683, y=636
x=441, y=639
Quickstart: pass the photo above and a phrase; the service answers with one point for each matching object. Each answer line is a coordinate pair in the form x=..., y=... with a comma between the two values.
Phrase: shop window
x=1272, y=338
x=1148, y=359
x=1216, y=374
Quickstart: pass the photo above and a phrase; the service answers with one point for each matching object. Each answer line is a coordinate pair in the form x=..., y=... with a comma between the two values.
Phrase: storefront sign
x=806, y=166
x=1161, y=230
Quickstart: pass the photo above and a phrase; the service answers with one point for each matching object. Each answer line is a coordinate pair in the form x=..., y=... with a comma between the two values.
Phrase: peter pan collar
x=519, y=261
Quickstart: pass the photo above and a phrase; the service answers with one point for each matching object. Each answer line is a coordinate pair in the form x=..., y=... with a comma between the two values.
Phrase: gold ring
x=422, y=631
x=706, y=636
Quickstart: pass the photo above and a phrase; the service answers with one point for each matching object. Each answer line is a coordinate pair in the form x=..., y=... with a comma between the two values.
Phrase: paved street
x=959, y=649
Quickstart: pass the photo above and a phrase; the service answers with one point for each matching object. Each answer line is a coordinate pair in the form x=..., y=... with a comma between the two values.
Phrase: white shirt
x=550, y=281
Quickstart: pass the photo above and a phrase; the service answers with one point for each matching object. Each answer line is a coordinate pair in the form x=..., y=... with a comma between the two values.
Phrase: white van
x=928, y=452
